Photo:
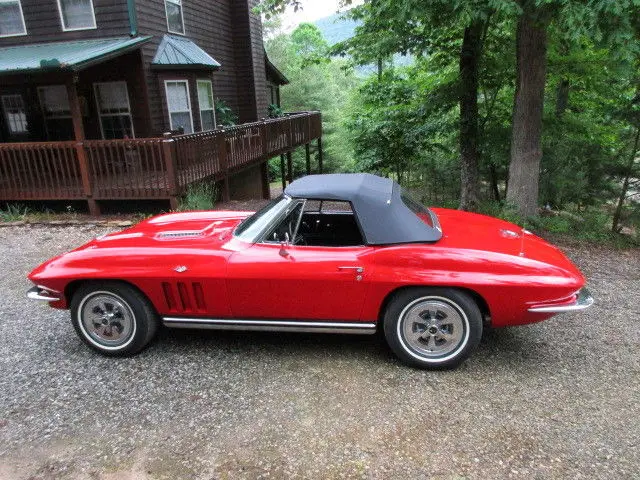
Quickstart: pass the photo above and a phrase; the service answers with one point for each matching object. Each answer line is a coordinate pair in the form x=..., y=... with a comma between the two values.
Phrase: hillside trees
x=317, y=82
x=538, y=98
x=598, y=20
x=451, y=31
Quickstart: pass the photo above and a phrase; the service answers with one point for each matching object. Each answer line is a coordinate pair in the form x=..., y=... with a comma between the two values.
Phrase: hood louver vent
x=181, y=234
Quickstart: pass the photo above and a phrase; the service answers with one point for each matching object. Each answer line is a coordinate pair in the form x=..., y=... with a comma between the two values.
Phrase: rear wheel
x=432, y=327
x=113, y=318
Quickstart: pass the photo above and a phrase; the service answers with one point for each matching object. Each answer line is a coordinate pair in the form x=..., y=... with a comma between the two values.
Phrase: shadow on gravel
x=505, y=346
x=273, y=342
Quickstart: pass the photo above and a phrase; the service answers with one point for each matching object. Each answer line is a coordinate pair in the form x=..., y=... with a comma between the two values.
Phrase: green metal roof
x=181, y=52
x=69, y=56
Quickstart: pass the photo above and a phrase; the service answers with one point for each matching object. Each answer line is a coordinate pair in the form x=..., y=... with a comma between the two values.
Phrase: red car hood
x=176, y=230
x=479, y=232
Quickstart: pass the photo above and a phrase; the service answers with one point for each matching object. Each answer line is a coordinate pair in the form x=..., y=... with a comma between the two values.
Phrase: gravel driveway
x=555, y=400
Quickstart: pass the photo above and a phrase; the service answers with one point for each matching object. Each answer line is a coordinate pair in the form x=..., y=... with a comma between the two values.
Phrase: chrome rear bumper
x=43, y=294
x=584, y=300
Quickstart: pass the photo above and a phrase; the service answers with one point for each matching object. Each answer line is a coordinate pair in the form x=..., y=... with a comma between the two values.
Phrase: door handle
x=357, y=269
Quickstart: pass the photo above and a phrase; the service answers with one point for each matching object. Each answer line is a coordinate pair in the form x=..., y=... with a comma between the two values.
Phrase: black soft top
x=377, y=202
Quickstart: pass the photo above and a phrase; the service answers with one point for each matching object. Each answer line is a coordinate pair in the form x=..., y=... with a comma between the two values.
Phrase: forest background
x=528, y=110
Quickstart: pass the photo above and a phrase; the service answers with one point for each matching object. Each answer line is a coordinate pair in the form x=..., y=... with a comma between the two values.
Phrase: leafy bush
x=200, y=196
x=591, y=225
x=274, y=111
x=224, y=114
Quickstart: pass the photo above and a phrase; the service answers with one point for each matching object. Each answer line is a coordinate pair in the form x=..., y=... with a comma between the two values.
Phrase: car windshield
x=250, y=229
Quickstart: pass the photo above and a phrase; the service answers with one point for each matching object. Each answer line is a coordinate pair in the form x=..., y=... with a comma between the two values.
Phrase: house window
x=112, y=100
x=179, y=105
x=15, y=114
x=54, y=102
x=11, y=19
x=205, y=102
x=175, y=19
x=76, y=14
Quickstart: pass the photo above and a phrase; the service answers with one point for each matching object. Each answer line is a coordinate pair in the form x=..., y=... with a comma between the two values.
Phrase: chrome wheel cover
x=433, y=329
x=106, y=320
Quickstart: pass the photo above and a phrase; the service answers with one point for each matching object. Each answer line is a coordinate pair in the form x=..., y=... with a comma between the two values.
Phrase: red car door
x=305, y=283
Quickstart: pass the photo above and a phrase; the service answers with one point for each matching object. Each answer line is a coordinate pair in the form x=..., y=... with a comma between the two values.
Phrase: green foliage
x=14, y=212
x=275, y=111
x=199, y=196
x=403, y=122
x=224, y=114
x=317, y=82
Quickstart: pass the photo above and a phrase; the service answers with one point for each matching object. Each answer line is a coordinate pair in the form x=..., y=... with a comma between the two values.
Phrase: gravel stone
x=560, y=399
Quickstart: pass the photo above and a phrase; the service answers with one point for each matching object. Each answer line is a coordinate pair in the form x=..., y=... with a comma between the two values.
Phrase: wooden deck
x=145, y=168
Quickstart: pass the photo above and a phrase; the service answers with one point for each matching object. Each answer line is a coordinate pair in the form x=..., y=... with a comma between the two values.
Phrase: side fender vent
x=184, y=297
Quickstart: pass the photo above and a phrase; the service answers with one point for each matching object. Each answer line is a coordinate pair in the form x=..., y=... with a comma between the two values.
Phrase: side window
x=11, y=19
x=114, y=111
x=205, y=103
x=15, y=114
x=329, y=223
x=175, y=19
x=54, y=102
x=76, y=14
x=179, y=105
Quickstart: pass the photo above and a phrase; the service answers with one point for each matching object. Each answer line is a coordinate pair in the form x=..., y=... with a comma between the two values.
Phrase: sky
x=312, y=10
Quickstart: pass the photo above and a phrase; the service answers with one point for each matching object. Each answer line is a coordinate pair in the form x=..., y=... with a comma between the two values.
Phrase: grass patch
x=200, y=196
x=14, y=212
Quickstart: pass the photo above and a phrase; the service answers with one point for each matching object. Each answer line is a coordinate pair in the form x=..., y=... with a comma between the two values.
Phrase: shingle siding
x=227, y=30
x=222, y=29
x=42, y=19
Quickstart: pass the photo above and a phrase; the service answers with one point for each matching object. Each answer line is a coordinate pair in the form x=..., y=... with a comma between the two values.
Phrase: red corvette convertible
x=348, y=253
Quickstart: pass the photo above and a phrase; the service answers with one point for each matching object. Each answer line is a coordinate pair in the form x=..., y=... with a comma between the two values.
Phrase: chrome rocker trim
x=42, y=294
x=584, y=300
x=270, y=325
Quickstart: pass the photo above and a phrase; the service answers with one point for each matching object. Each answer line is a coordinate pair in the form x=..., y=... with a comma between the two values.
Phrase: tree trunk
x=469, y=153
x=526, y=150
x=493, y=177
x=615, y=226
x=562, y=97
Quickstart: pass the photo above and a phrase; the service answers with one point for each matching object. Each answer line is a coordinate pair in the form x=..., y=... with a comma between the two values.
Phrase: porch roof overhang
x=179, y=52
x=273, y=72
x=71, y=56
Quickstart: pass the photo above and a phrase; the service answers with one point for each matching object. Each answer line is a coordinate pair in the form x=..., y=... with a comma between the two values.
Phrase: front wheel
x=113, y=318
x=432, y=327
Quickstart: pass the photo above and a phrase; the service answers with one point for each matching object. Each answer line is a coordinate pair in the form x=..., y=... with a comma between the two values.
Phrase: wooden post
x=264, y=171
x=76, y=112
x=263, y=135
x=289, y=167
x=224, y=165
x=169, y=154
x=307, y=151
x=78, y=133
x=283, y=174
x=320, y=155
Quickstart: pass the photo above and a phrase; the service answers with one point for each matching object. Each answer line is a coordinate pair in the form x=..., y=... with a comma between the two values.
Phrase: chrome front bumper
x=584, y=300
x=43, y=294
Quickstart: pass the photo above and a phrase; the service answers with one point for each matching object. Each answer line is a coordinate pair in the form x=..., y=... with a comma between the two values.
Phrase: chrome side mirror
x=284, y=245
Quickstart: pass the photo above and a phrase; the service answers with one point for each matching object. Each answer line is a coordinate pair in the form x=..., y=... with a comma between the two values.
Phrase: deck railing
x=145, y=167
